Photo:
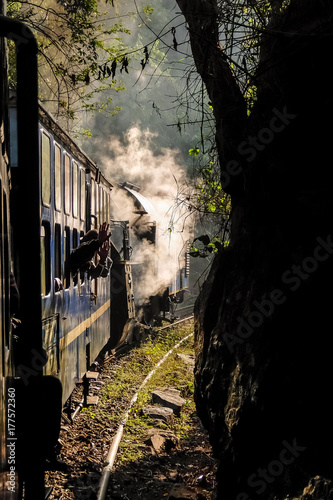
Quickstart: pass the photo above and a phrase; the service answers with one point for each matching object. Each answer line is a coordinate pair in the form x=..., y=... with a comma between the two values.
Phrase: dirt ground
x=176, y=467
x=186, y=472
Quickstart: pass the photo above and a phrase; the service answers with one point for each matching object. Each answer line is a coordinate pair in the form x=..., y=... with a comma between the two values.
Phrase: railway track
x=73, y=413
x=116, y=440
x=86, y=444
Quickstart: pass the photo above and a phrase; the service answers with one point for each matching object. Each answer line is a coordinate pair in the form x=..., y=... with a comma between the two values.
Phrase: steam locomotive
x=55, y=323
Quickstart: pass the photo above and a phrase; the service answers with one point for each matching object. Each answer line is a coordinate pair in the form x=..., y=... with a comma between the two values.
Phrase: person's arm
x=83, y=254
x=106, y=267
x=103, y=234
x=105, y=260
x=103, y=267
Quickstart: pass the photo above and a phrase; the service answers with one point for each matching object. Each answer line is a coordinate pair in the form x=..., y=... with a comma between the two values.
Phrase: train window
x=13, y=137
x=75, y=190
x=93, y=206
x=57, y=251
x=67, y=250
x=103, y=205
x=46, y=169
x=45, y=258
x=75, y=244
x=82, y=274
x=83, y=193
x=98, y=220
x=100, y=205
x=75, y=238
x=57, y=175
x=67, y=184
x=106, y=206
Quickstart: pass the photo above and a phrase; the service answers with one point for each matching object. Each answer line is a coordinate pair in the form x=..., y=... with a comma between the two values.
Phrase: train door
x=99, y=330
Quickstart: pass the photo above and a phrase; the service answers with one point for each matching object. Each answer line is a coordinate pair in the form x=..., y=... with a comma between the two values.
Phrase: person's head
x=90, y=235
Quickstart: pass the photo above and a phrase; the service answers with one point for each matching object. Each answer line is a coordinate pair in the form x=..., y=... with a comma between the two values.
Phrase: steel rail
x=103, y=485
x=81, y=404
x=174, y=323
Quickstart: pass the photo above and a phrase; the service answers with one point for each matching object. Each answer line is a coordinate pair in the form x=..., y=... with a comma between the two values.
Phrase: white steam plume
x=134, y=158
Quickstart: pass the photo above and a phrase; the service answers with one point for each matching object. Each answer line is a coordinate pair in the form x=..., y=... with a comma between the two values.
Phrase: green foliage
x=77, y=45
x=147, y=10
x=210, y=196
x=206, y=246
x=251, y=97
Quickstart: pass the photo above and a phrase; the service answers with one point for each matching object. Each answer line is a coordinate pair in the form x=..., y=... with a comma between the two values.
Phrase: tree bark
x=263, y=373
x=227, y=100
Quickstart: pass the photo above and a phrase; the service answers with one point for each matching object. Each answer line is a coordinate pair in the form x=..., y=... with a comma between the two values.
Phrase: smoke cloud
x=143, y=145
x=135, y=157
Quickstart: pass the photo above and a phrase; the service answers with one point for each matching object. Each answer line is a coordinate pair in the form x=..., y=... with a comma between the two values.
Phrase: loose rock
x=157, y=412
x=162, y=440
x=180, y=492
x=189, y=359
x=169, y=398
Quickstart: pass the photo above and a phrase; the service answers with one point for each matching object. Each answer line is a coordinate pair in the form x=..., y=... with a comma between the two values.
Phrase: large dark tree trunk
x=264, y=366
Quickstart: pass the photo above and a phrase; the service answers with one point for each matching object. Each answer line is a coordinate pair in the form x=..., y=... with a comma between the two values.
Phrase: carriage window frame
x=106, y=206
x=67, y=251
x=57, y=178
x=45, y=258
x=82, y=273
x=57, y=251
x=82, y=193
x=46, y=168
x=67, y=183
x=75, y=190
x=75, y=243
x=100, y=204
x=98, y=212
x=93, y=197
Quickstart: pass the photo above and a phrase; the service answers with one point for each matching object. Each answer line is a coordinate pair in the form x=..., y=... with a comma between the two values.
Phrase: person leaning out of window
x=92, y=253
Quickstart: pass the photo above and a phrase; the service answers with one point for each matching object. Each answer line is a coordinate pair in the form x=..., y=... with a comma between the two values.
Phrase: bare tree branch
x=228, y=103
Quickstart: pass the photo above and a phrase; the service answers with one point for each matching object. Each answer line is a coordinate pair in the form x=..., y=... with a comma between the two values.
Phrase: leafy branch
x=80, y=49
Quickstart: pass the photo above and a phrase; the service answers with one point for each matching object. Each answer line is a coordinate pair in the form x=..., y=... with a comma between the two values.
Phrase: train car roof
x=49, y=122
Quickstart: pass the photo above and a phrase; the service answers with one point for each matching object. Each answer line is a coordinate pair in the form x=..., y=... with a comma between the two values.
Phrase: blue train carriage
x=77, y=320
x=75, y=197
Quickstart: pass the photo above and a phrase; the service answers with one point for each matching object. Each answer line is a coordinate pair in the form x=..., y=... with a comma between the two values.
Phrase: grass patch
x=174, y=372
